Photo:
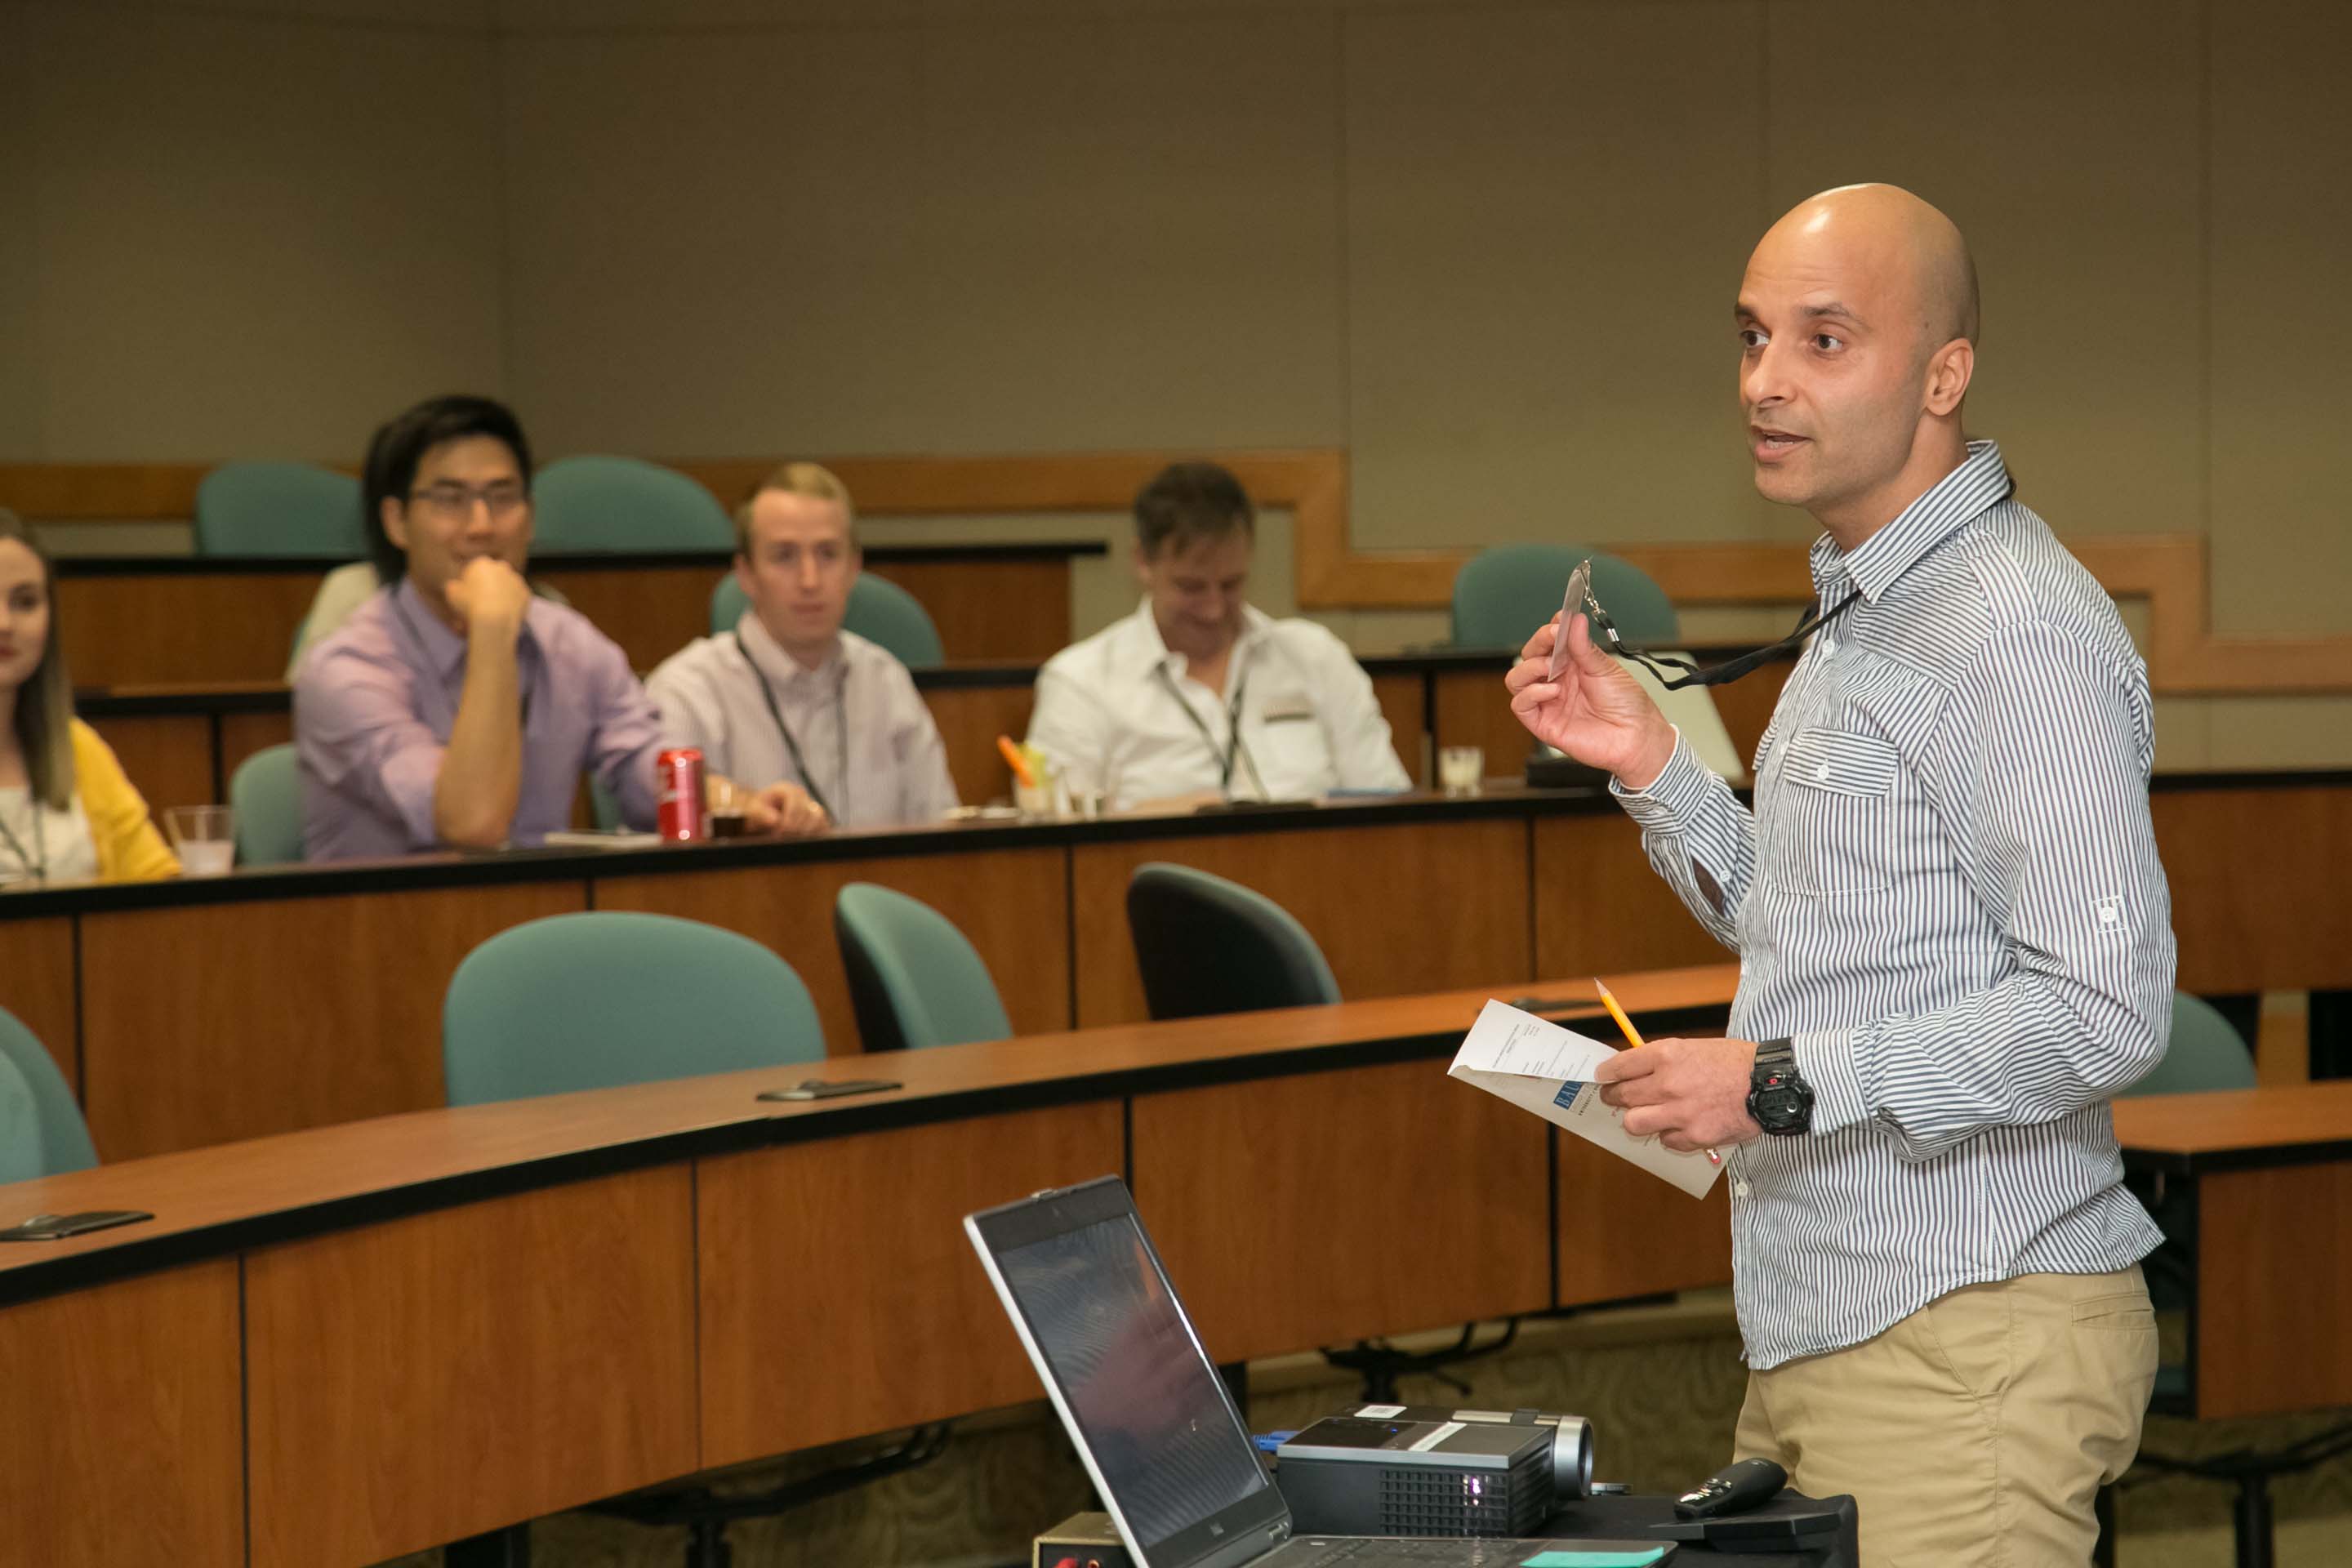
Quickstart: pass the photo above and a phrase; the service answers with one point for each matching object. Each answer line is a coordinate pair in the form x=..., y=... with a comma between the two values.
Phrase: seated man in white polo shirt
x=788, y=696
x=1198, y=696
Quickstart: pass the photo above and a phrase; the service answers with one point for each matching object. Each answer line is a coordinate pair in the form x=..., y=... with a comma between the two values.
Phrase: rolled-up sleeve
x=357, y=732
x=627, y=738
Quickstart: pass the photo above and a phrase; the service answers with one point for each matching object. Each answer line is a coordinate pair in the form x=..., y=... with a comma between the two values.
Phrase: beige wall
x=1486, y=248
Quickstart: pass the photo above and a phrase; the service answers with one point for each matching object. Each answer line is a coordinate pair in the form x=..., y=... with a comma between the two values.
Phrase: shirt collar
x=1152, y=648
x=1980, y=483
x=779, y=668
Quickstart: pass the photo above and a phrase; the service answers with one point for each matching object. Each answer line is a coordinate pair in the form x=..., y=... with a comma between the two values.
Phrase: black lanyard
x=1233, y=724
x=37, y=863
x=793, y=747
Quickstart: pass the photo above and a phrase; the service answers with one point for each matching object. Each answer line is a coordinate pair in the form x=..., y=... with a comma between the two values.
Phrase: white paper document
x=1540, y=1067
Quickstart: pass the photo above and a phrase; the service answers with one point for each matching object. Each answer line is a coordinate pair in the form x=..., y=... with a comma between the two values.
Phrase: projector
x=1407, y=1469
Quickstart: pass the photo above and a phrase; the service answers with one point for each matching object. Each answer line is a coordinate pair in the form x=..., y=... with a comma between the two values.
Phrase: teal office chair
x=914, y=979
x=266, y=793
x=597, y=1000
x=21, y=1155
x=879, y=611
x=59, y=1139
x=279, y=509
x=1206, y=945
x=590, y=505
x=1502, y=594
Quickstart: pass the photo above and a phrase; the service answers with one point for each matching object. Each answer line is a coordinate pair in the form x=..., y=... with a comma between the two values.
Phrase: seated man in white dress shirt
x=789, y=697
x=1197, y=696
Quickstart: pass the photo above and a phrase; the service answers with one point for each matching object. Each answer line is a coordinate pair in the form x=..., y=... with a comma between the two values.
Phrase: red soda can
x=678, y=773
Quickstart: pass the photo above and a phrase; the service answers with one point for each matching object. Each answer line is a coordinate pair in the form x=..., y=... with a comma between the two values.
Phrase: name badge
x=1281, y=709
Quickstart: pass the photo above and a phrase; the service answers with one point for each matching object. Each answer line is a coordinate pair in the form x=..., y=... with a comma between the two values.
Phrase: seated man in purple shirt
x=455, y=708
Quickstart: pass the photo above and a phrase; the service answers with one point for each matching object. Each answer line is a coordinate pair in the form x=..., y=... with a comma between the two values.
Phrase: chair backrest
x=914, y=979
x=879, y=611
x=1207, y=945
x=279, y=509
x=588, y=504
x=2205, y=1052
x=597, y=1001
x=64, y=1141
x=1501, y=595
x=265, y=795
x=882, y=612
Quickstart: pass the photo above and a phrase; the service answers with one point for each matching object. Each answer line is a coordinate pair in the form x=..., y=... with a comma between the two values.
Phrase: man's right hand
x=1595, y=711
x=490, y=594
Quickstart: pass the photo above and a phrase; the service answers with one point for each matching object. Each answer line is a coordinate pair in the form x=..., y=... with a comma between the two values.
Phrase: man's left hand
x=1691, y=1093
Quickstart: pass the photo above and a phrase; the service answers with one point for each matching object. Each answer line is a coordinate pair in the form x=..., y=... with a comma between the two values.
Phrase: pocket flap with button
x=1841, y=762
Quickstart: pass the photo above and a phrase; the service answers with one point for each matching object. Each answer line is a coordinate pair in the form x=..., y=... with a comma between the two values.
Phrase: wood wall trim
x=2170, y=572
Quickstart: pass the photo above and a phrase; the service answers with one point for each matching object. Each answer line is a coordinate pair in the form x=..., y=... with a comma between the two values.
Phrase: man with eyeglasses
x=455, y=708
x=1954, y=933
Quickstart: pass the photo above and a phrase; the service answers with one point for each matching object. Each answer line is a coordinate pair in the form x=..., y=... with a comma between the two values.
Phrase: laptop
x=1153, y=1422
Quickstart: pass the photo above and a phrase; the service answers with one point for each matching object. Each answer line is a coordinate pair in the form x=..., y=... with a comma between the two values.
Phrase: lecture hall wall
x=1487, y=248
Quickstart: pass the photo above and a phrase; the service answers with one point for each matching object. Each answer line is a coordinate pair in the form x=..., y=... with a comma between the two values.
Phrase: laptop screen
x=1149, y=1406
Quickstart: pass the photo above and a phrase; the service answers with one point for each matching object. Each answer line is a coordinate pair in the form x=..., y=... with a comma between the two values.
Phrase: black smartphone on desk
x=57, y=1227
x=830, y=1089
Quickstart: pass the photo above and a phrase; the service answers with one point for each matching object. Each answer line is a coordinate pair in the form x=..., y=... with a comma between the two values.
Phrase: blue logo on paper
x=1566, y=1098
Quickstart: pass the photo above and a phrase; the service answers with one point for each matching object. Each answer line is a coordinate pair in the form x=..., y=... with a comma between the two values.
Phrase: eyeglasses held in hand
x=1673, y=670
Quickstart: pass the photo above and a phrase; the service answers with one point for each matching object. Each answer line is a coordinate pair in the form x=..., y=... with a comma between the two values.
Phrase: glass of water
x=204, y=837
x=1461, y=770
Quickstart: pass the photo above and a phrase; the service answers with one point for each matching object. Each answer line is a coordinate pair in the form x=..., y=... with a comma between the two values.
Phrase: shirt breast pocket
x=1832, y=819
x=1287, y=743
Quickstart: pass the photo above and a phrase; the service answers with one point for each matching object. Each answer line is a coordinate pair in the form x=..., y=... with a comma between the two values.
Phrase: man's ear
x=394, y=517
x=1950, y=371
x=743, y=573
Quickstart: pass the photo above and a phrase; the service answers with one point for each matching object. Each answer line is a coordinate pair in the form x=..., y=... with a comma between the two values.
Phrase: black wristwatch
x=1779, y=1097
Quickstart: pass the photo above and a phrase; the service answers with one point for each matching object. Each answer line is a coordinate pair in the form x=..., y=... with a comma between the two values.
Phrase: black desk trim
x=554, y=866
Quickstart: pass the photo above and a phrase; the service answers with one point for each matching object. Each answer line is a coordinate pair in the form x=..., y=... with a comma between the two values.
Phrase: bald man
x=1953, y=935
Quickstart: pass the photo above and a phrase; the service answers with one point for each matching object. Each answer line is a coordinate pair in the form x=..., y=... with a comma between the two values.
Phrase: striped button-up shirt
x=1948, y=896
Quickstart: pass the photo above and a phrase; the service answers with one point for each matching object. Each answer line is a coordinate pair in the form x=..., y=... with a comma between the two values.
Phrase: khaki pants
x=1976, y=1431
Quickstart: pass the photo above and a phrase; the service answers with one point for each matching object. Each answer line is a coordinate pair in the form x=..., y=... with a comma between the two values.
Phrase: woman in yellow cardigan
x=67, y=812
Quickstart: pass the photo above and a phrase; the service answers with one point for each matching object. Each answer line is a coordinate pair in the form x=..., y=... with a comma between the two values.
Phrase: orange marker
x=1633, y=1040
x=1015, y=761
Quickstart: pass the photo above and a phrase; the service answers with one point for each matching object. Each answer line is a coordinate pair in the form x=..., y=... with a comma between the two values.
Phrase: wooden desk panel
x=431, y=1378
x=168, y=757
x=1014, y=611
x=839, y=1296
x=40, y=988
x=1319, y=1208
x=133, y=630
x=1402, y=699
x=1600, y=907
x=970, y=718
x=651, y=611
x=2246, y=909
x=242, y=734
x=1624, y=1233
x=2273, y=1271
x=201, y=1025
x=1746, y=705
x=1397, y=910
x=1473, y=710
x=1012, y=904
x=124, y=1439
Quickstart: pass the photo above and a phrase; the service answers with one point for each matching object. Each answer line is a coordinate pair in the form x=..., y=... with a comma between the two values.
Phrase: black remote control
x=1735, y=1488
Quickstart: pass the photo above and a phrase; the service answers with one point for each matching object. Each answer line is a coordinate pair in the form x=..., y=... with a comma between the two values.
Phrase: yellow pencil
x=1633, y=1040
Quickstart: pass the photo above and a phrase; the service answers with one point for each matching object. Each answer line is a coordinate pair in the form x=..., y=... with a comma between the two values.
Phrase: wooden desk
x=458, y=1319
x=2270, y=1175
x=150, y=620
